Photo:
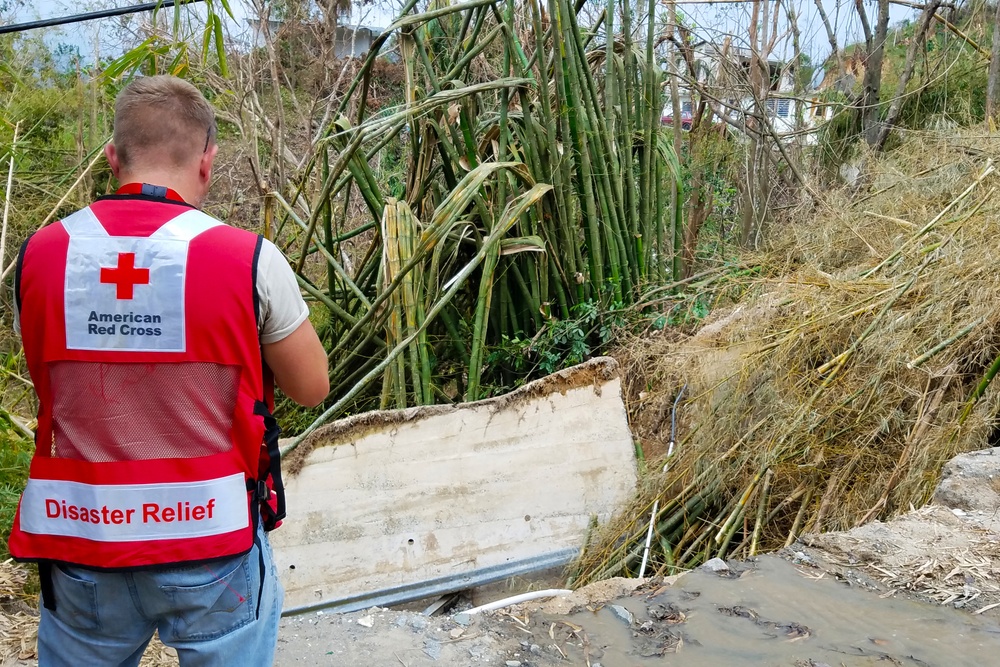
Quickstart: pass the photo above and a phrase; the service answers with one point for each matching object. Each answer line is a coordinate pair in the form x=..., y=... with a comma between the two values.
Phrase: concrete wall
x=391, y=499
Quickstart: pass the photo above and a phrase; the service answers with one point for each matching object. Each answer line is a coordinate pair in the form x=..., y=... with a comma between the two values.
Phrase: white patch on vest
x=124, y=292
x=135, y=512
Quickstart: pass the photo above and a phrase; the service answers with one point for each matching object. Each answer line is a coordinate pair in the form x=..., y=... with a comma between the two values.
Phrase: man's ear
x=205, y=165
x=111, y=153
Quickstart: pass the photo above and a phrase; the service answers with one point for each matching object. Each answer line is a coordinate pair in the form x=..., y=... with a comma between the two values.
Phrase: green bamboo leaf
x=130, y=60
x=229, y=10
x=522, y=244
x=179, y=66
x=177, y=18
x=206, y=38
x=459, y=199
x=376, y=125
x=220, y=47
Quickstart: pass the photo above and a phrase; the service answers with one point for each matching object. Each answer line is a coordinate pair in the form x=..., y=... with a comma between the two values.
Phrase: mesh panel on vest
x=133, y=412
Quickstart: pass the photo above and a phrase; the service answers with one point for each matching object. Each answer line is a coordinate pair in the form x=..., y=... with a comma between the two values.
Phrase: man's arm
x=299, y=364
x=290, y=345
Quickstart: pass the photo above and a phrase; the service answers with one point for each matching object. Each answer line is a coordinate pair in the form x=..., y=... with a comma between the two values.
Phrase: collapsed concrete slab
x=389, y=506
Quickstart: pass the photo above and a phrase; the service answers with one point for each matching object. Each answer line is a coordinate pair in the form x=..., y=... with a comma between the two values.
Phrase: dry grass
x=19, y=624
x=833, y=394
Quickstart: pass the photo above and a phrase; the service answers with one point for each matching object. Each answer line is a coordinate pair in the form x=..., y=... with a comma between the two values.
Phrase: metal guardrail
x=90, y=16
x=438, y=586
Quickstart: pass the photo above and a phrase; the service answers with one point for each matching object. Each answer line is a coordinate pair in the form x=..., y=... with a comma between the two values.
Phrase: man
x=153, y=334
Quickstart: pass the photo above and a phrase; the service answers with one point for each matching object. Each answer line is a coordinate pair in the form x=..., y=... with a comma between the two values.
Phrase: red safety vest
x=155, y=442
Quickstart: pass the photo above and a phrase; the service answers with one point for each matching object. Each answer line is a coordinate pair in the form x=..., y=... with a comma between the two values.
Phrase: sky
x=716, y=20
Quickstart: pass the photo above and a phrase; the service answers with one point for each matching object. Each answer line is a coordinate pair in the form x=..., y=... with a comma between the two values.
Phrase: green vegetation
x=947, y=88
x=840, y=386
x=489, y=196
x=15, y=454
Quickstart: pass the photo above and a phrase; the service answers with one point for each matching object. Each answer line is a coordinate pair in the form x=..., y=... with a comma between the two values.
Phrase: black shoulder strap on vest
x=253, y=278
x=17, y=273
x=271, y=429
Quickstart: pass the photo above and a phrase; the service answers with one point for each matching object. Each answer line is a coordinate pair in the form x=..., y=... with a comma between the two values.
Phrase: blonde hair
x=162, y=118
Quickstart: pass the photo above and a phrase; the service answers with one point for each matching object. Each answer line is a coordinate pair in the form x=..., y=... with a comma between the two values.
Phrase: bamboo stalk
x=97, y=153
x=761, y=507
x=943, y=345
x=988, y=171
x=7, y=198
x=514, y=210
x=793, y=534
x=325, y=251
x=479, y=328
x=980, y=389
x=727, y=527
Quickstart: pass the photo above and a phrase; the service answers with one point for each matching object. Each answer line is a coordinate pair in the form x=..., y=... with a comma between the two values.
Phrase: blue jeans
x=207, y=612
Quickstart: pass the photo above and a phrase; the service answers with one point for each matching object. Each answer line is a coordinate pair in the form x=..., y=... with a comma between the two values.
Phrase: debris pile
x=947, y=553
x=857, y=360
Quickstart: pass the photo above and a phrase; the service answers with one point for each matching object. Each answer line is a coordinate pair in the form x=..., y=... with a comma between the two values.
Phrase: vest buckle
x=263, y=493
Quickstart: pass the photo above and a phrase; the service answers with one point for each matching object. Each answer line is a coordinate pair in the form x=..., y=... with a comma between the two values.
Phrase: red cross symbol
x=125, y=276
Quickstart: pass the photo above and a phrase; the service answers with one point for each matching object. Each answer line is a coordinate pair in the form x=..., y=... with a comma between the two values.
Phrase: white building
x=349, y=41
x=723, y=71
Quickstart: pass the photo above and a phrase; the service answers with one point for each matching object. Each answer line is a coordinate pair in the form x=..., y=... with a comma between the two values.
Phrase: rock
x=418, y=622
x=968, y=482
x=536, y=649
x=513, y=663
x=366, y=621
x=622, y=614
x=432, y=649
x=462, y=619
x=716, y=565
x=456, y=633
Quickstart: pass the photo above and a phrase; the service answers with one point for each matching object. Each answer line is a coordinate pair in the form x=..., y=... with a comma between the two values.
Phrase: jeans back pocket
x=75, y=597
x=210, y=600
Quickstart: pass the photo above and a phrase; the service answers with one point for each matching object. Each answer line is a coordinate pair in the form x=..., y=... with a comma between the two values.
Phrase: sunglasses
x=208, y=136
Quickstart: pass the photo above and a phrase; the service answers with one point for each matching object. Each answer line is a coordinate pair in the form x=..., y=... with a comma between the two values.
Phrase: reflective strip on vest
x=135, y=512
x=124, y=292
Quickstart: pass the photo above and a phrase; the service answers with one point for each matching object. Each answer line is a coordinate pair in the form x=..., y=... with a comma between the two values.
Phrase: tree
x=993, y=83
x=872, y=82
x=919, y=37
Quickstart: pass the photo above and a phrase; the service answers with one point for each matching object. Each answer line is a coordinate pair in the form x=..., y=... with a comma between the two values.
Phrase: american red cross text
x=125, y=276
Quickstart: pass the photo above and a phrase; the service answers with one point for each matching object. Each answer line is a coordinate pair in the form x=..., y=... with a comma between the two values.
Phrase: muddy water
x=773, y=614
